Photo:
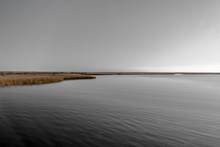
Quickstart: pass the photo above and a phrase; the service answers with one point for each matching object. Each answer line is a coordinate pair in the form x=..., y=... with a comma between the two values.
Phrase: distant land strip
x=13, y=78
x=149, y=73
x=105, y=73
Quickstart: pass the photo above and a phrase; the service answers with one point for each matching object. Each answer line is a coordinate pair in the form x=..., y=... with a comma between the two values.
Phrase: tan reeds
x=36, y=79
x=12, y=80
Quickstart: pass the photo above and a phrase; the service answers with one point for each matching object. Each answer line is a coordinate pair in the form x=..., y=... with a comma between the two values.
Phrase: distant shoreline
x=149, y=73
x=15, y=78
x=104, y=73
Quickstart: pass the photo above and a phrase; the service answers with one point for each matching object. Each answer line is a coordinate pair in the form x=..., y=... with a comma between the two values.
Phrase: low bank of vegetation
x=37, y=79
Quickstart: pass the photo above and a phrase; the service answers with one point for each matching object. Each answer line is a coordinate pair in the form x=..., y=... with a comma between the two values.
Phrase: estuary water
x=114, y=111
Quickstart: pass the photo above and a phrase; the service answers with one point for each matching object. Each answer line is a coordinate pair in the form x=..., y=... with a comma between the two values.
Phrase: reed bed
x=37, y=79
x=13, y=80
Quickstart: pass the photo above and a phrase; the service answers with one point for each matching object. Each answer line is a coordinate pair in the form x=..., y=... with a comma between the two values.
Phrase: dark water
x=114, y=111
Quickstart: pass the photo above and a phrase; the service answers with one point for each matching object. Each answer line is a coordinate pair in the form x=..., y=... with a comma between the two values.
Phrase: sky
x=110, y=35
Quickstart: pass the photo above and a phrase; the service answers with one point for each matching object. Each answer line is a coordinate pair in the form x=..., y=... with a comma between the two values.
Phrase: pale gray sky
x=107, y=35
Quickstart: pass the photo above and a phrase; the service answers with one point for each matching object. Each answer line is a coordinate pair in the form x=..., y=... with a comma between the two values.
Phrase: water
x=113, y=111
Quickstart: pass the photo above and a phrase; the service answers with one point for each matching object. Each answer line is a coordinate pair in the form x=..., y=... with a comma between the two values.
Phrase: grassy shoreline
x=38, y=79
x=13, y=78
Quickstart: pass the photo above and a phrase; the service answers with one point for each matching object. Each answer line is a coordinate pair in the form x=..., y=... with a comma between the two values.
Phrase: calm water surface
x=114, y=111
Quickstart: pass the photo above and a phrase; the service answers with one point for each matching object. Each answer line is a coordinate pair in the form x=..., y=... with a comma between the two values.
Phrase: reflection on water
x=113, y=111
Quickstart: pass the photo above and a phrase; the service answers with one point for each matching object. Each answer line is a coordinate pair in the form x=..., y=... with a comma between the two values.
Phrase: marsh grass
x=37, y=79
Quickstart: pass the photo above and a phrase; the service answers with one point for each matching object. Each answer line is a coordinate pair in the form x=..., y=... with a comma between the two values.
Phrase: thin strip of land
x=106, y=73
x=148, y=73
x=13, y=78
